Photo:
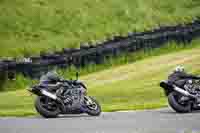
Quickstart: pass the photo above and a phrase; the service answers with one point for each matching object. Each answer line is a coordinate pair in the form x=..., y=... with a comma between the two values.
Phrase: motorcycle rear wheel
x=173, y=99
x=46, y=110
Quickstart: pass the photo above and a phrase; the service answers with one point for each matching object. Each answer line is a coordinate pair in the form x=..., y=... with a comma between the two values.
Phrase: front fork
x=89, y=103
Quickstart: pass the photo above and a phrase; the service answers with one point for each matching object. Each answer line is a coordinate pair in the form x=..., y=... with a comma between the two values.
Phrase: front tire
x=173, y=99
x=43, y=109
x=92, y=105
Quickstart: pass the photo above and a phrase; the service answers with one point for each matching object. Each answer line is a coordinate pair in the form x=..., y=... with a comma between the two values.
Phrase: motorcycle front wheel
x=92, y=105
x=174, y=99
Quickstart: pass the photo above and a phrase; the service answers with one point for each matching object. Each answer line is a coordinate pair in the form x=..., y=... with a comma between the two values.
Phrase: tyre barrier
x=34, y=67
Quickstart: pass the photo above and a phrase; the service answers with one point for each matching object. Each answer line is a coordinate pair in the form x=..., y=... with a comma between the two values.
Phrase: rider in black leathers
x=179, y=76
x=50, y=80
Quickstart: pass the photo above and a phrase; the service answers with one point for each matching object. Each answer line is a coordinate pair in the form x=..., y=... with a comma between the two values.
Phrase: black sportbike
x=183, y=99
x=68, y=97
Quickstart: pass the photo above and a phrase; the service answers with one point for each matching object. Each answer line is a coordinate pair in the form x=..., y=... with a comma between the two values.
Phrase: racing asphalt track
x=149, y=121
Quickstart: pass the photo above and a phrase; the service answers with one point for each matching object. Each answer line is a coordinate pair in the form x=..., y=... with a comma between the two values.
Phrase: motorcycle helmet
x=49, y=77
x=53, y=75
x=179, y=69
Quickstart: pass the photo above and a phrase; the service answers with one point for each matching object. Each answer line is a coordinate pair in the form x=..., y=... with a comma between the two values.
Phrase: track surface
x=149, y=121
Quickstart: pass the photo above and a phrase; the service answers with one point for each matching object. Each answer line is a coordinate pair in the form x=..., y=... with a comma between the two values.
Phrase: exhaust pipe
x=185, y=93
x=54, y=97
x=48, y=94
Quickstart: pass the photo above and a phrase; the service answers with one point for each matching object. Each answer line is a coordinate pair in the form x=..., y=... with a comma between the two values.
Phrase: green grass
x=30, y=26
x=19, y=82
x=127, y=87
x=17, y=103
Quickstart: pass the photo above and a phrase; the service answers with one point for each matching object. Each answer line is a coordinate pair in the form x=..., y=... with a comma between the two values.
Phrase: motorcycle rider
x=51, y=80
x=179, y=77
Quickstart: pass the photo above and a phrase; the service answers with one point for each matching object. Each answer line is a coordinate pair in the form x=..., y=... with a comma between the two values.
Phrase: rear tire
x=173, y=102
x=44, y=111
